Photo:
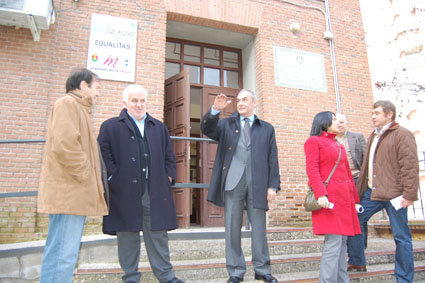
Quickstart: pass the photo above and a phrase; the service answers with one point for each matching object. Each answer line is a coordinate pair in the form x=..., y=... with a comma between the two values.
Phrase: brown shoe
x=356, y=268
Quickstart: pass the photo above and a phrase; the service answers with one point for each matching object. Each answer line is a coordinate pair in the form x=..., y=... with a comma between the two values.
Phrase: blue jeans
x=404, y=267
x=62, y=247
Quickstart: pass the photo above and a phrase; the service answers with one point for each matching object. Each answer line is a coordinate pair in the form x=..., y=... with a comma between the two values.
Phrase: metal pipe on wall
x=327, y=35
x=331, y=46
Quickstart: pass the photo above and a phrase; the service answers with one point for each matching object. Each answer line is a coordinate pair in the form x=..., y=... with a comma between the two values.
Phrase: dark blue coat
x=120, y=150
x=265, y=165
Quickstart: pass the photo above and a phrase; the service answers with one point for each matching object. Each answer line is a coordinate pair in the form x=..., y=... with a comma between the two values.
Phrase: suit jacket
x=265, y=165
x=357, y=145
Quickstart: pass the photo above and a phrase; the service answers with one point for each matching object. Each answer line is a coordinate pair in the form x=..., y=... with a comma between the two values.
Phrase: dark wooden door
x=177, y=119
x=212, y=215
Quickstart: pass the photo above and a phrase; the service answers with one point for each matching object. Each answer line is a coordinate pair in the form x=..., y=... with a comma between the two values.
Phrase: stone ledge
x=383, y=229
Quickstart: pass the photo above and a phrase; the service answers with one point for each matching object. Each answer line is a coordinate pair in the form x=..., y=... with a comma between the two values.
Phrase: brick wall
x=292, y=110
x=33, y=74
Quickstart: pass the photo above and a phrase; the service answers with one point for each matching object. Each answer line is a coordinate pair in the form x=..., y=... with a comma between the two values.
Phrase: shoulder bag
x=310, y=202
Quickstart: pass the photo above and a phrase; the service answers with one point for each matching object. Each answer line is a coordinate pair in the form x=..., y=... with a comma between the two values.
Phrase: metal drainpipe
x=331, y=45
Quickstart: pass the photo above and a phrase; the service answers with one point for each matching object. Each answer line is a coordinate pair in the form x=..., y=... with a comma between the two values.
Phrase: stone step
x=379, y=273
x=21, y=262
x=190, y=244
x=375, y=273
x=196, y=254
x=210, y=269
x=200, y=249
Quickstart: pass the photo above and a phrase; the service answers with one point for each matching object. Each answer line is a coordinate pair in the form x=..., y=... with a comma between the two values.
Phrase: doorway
x=195, y=73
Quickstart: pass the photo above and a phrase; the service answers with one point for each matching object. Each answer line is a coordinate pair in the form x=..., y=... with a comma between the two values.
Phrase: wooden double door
x=177, y=118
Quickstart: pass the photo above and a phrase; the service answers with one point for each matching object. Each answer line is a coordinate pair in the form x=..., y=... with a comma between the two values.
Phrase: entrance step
x=293, y=260
x=216, y=273
x=198, y=256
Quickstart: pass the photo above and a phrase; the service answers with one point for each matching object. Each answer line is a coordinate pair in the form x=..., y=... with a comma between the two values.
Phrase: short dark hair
x=386, y=105
x=77, y=76
x=321, y=122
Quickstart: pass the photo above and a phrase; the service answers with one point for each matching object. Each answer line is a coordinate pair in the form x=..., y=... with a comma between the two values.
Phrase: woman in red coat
x=337, y=218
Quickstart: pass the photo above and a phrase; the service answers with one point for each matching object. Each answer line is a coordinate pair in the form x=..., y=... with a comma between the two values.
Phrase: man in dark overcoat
x=355, y=145
x=141, y=167
x=245, y=174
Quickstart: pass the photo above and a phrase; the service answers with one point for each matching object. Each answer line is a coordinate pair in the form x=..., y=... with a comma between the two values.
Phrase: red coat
x=321, y=154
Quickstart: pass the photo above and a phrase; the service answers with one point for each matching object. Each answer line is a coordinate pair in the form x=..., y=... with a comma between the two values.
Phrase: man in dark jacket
x=389, y=178
x=354, y=144
x=141, y=167
x=245, y=174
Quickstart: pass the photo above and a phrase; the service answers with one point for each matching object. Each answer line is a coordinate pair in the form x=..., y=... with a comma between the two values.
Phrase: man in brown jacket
x=389, y=178
x=70, y=182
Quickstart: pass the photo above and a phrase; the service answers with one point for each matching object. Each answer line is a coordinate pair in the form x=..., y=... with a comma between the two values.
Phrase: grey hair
x=253, y=95
x=341, y=116
x=134, y=89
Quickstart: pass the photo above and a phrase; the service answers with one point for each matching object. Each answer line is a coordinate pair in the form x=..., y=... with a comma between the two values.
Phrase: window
x=211, y=56
x=171, y=69
x=192, y=53
x=209, y=64
x=230, y=59
x=195, y=73
x=172, y=50
x=211, y=76
x=231, y=79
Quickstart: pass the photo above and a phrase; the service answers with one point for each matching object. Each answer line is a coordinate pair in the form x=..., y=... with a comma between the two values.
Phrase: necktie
x=246, y=132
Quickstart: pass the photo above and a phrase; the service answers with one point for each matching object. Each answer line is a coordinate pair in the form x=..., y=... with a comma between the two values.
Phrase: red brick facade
x=33, y=74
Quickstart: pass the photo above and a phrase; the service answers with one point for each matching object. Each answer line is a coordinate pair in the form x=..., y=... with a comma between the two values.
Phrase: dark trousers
x=234, y=204
x=156, y=243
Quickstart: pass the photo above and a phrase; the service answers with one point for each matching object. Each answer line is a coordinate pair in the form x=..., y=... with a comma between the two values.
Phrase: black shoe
x=266, y=278
x=234, y=279
x=356, y=268
x=175, y=280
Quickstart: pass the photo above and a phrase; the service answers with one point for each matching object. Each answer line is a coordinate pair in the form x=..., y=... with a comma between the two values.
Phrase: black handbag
x=310, y=202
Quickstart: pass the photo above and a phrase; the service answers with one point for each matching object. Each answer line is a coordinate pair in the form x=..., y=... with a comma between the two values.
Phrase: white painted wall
x=390, y=37
x=248, y=67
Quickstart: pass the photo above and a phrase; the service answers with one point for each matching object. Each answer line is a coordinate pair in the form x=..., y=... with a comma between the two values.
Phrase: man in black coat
x=355, y=145
x=141, y=168
x=245, y=174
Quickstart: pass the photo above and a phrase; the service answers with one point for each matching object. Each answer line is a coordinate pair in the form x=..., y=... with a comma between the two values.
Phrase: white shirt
x=378, y=134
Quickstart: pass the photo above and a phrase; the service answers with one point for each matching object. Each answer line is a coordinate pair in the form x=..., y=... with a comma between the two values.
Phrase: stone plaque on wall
x=299, y=69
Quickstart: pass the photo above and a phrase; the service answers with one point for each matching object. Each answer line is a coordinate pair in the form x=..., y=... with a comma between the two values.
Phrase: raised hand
x=221, y=102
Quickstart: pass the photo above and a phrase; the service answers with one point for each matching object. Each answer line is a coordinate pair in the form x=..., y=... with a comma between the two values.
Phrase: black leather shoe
x=234, y=279
x=175, y=280
x=266, y=278
x=356, y=268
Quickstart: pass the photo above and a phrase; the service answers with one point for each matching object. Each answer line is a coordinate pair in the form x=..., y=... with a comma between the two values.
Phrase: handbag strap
x=336, y=165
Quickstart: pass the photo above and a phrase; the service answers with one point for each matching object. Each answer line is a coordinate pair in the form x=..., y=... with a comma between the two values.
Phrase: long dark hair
x=321, y=122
